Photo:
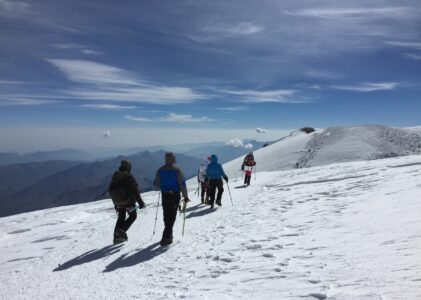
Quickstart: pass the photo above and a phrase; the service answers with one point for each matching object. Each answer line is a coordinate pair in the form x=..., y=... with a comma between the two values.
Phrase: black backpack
x=118, y=191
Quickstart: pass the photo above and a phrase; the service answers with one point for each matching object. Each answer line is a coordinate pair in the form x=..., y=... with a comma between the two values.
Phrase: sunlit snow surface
x=342, y=231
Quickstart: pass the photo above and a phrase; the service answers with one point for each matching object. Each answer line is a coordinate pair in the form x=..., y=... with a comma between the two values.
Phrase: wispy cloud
x=405, y=44
x=172, y=118
x=253, y=96
x=108, y=83
x=11, y=82
x=367, y=87
x=81, y=48
x=91, y=52
x=413, y=56
x=68, y=46
x=357, y=12
x=137, y=119
x=309, y=86
x=244, y=28
x=12, y=6
x=23, y=101
x=180, y=118
x=234, y=108
x=109, y=106
x=322, y=74
x=89, y=72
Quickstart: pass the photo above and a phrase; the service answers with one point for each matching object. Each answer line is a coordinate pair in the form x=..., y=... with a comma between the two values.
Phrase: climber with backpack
x=124, y=192
x=214, y=175
x=170, y=180
x=247, y=167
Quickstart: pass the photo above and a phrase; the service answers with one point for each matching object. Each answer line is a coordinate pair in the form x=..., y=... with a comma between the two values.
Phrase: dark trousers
x=122, y=223
x=170, y=202
x=247, y=179
x=213, y=185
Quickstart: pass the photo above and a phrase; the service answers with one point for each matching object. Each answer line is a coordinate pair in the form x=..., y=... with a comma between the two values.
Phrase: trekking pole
x=197, y=190
x=184, y=216
x=156, y=215
x=255, y=173
x=229, y=192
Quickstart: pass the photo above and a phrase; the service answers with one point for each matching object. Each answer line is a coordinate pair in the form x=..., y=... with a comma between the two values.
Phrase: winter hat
x=169, y=158
x=125, y=166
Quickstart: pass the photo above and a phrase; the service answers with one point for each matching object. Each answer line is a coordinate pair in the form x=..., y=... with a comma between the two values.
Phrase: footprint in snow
x=254, y=247
x=19, y=231
x=319, y=296
x=314, y=281
x=268, y=255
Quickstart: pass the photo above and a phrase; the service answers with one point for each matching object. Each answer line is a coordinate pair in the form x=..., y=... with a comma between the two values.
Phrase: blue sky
x=206, y=65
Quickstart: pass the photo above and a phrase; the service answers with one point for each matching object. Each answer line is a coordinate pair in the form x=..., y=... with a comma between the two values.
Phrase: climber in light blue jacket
x=214, y=175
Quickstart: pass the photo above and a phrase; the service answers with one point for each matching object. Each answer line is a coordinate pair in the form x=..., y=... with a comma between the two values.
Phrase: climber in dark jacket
x=214, y=175
x=124, y=191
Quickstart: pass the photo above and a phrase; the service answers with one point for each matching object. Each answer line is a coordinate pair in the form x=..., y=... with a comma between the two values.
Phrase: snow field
x=341, y=231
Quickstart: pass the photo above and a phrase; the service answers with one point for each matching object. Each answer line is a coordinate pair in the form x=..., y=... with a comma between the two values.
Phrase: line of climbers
x=169, y=178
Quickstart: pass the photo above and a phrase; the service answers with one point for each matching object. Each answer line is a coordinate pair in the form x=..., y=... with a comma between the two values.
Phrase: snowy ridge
x=333, y=145
x=346, y=231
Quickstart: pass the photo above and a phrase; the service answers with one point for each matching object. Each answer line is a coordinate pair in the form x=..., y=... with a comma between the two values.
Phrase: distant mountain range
x=63, y=154
x=39, y=185
x=225, y=152
x=53, y=178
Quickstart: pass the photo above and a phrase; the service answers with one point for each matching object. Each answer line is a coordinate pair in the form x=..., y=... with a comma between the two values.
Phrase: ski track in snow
x=343, y=231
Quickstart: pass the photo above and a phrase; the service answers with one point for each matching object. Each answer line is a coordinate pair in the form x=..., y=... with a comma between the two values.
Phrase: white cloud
x=405, y=44
x=108, y=83
x=244, y=28
x=68, y=46
x=367, y=87
x=252, y=96
x=309, y=86
x=238, y=143
x=109, y=106
x=106, y=134
x=234, y=108
x=380, y=12
x=235, y=143
x=147, y=94
x=413, y=56
x=323, y=74
x=11, y=82
x=261, y=130
x=137, y=119
x=173, y=117
x=12, y=6
x=23, y=101
x=89, y=72
x=90, y=52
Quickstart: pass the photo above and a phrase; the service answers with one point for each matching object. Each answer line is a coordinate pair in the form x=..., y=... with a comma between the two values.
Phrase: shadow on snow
x=89, y=257
x=125, y=261
x=241, y=186
x=200, y=213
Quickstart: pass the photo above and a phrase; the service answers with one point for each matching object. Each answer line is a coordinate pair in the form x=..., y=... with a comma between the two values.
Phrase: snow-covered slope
x=346, y=231
x=333, y=145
